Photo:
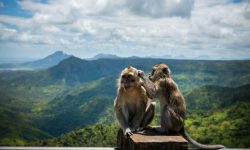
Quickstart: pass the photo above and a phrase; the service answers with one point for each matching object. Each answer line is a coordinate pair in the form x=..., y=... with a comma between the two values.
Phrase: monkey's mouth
x=126, y=86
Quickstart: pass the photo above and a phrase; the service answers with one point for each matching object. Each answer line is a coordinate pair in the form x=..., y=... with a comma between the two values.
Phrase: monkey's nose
x=128, y=80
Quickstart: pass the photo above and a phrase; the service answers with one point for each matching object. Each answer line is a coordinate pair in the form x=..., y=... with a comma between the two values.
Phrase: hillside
x=17, y=127
x=188, y=73
x=215, y=97
x=98, y=135
x=228, y=126
x=77, y=104
x=81, y=106
x=79, y=93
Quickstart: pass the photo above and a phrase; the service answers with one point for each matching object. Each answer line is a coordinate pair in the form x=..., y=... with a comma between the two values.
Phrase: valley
x=63, y=104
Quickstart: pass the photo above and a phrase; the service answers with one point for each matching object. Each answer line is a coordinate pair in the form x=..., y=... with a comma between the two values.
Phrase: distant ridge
x=74, y=70
x=43, y=63
x=104, y=56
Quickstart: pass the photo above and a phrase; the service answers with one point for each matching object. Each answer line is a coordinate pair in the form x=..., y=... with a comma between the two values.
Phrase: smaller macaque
x=160, y=85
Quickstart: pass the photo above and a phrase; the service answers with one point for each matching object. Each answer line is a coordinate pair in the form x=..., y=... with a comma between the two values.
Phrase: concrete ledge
x=148, y=140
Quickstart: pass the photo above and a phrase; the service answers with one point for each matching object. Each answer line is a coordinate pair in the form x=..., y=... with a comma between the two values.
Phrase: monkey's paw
x=128, y=132
x=141, y=73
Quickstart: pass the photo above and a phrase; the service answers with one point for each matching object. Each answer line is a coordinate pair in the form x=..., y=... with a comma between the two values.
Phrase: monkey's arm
x=121, y=118
x=150, y=87
x=119, y=115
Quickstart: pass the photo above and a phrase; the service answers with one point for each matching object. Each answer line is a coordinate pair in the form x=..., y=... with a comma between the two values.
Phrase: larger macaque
x=160, y=85
x=132, y=106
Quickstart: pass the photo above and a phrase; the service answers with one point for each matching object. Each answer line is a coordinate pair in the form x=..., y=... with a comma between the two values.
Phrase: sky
x=215, y=29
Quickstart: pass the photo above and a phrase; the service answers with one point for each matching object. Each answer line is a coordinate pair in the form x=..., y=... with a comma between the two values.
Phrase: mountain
x=44, y=63
x=104, y=56
x=229, y=124
x=48, y=61
x=79, y=93
x=188, y=73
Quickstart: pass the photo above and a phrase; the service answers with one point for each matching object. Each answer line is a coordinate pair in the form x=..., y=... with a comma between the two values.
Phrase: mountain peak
x=49, y=61
x=58, y=55
x=72, y=59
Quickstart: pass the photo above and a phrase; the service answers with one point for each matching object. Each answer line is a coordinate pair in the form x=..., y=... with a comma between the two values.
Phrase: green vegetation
x=16, y=128
x=96, y=135
x=74, y=108
x=228, y=126
x=65, y=104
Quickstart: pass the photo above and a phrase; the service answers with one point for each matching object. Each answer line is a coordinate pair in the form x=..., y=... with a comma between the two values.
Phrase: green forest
x=71, y=104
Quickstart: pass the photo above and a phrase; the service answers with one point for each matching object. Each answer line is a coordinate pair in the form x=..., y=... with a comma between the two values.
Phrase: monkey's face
x=159, y=71
x=129, y=77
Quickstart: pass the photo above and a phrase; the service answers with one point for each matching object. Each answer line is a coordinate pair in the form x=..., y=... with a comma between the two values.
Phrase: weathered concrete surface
x=149, y=140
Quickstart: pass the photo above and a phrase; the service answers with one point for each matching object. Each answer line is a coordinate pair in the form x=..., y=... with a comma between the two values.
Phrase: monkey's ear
x=129, y=67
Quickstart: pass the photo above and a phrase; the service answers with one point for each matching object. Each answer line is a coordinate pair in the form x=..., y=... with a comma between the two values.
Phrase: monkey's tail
x=200, y=146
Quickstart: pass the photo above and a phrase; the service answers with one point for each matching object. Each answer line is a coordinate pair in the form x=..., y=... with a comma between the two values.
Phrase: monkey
x=133, y=109
x=160, y=85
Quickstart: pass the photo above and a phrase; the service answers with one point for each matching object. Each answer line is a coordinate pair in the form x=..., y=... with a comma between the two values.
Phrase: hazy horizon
x=191, y=28
x=106, y=55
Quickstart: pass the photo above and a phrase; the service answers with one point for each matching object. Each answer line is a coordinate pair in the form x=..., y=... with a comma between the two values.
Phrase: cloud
x=161, y=8
x=133, y=27
x=12, y=35
x=147, y=8
x=6, y=33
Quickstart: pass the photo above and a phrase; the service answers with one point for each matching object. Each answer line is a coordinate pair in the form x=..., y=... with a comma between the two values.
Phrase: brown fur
x=132, y=107
x=160, y=85
x=172, y=103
